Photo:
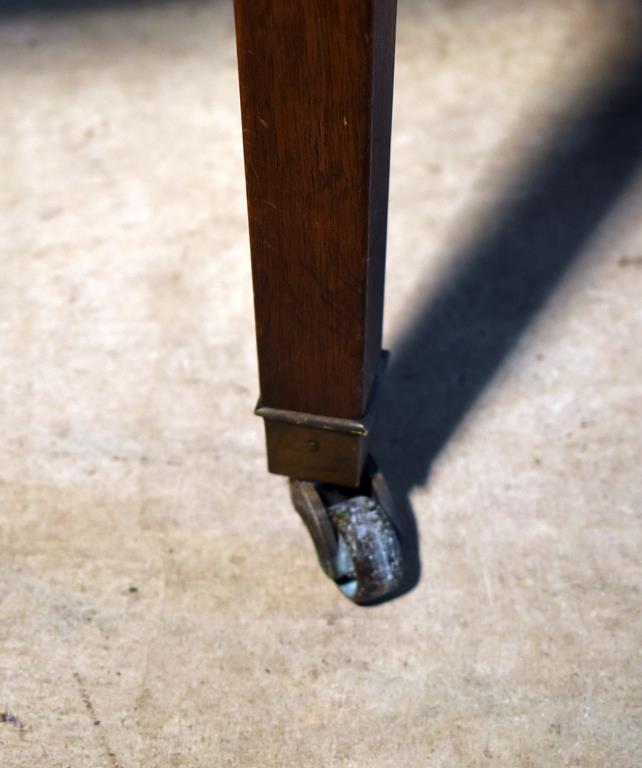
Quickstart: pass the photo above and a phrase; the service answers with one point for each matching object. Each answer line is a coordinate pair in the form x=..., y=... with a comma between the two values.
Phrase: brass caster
x=354, y=537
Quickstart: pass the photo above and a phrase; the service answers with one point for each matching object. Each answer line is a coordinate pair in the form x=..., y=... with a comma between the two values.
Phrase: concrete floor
x=161, y=602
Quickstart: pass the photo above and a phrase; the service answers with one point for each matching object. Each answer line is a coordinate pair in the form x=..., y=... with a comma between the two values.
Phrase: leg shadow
x=462, y=335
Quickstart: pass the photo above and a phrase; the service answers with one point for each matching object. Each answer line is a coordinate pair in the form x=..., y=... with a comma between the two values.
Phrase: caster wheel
x=356, y=542
x=368, y=559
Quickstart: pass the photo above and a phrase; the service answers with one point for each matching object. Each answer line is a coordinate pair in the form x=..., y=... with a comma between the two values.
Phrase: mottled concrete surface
x=160, y=603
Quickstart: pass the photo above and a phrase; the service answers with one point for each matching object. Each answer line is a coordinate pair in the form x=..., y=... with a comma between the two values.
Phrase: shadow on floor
x=468, y=327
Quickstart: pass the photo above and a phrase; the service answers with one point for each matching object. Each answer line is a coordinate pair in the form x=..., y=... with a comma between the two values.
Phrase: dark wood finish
x=316, y=82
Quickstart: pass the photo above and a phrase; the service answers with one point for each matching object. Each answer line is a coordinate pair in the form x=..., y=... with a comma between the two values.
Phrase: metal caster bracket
x=356, y=543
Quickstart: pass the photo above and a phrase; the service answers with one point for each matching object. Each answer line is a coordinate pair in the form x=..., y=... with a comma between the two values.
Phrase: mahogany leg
x=316, y=80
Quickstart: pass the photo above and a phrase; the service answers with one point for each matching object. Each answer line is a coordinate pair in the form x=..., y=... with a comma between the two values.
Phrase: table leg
x=316, y=80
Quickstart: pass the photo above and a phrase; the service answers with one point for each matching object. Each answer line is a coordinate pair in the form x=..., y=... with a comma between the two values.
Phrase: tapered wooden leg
x=316, y=81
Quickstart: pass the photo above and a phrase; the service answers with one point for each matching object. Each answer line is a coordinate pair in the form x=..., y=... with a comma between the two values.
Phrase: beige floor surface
x=161, y=604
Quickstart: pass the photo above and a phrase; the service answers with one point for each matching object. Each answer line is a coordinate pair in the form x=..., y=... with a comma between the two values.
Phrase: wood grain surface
x=316, y=82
